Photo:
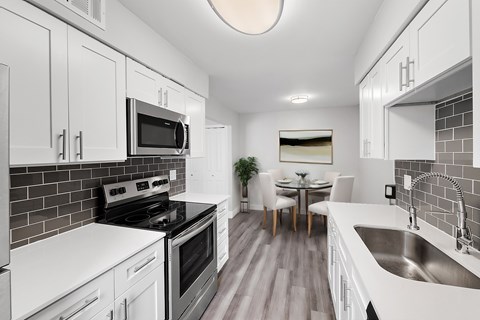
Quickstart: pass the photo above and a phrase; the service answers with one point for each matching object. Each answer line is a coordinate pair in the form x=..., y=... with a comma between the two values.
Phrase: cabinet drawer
x=222, y=254
x=83, y=303
x=135, y=268
x=222, y=209
x=222, y=227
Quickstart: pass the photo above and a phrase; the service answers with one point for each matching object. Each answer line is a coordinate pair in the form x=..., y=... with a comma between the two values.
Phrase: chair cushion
x=284, y=202
x=319, y=208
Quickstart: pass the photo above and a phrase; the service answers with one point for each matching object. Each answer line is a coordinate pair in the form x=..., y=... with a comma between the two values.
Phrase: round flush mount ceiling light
x=249, y=16
x=299, y=99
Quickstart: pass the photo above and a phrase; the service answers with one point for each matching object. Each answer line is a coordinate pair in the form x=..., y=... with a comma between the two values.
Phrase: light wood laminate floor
x=273, y=278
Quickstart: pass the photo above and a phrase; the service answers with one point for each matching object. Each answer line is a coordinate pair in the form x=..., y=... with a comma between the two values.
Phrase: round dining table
x=306, y=186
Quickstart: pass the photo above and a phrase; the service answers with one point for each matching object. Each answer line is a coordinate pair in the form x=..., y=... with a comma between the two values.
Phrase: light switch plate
x=407, y=182
x=173, y=175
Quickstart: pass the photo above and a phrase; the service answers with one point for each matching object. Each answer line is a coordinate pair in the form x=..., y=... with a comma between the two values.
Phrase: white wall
x=223, y=115
x=131, y=36
x=260, y=139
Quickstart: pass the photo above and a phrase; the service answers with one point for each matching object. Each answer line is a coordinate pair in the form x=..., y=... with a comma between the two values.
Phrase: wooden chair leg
x=281, y=214
x=309, y=222
x=294, y=217
x=264, y=217
x=274, y=223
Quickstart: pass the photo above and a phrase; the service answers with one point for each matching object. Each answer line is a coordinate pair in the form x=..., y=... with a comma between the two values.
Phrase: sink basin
x=409, y=256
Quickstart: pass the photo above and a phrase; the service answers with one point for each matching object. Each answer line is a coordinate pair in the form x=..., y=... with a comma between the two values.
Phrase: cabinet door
x=145, y=300
x=34, y=47
x=440, y=38
x=365, y=109
x=195, y=108
x=476, y=81
x=376, y=138
x=144, y=84
x=96, y=100
x=105, y=314
x=394, y=64
x=174, y=96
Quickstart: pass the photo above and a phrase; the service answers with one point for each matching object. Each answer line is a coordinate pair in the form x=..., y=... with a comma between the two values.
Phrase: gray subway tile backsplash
x=48, y=200
x=454, y=144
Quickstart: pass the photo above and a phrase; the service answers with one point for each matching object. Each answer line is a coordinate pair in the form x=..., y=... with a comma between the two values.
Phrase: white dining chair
x=325, y=193
x=274, y=202
x=341, y=192
x=277, y=174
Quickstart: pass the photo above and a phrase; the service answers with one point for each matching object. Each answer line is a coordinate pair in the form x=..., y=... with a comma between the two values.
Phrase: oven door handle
x=192, y=232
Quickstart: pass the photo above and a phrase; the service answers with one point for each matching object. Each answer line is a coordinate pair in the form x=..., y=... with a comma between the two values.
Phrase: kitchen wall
x=453, y=157
x=260, y=139
x=48, y=200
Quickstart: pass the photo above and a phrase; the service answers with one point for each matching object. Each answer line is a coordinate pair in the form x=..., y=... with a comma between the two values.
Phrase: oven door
x=156, y=131
x=193, y=262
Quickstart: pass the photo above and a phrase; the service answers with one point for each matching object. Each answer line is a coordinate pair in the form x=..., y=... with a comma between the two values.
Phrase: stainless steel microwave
x=153, y=130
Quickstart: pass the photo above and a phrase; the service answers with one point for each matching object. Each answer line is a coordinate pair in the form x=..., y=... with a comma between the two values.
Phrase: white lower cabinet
x=134, y=289
x=83, y=303
x=345, y=291
x=222, y=235
x=145, y=300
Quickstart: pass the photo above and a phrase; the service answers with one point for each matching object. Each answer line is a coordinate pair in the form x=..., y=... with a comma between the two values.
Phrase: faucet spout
x=463, y=234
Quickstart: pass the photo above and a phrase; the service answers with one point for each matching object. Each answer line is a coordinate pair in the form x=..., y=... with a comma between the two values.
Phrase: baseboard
x=233, y=213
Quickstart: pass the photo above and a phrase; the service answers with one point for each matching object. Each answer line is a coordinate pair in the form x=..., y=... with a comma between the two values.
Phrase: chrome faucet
x=463, y=234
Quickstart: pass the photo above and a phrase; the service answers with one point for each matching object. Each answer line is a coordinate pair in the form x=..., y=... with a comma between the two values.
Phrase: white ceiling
x=310, y=51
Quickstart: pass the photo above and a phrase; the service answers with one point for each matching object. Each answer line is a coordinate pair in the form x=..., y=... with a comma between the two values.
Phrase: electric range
x=190, y=244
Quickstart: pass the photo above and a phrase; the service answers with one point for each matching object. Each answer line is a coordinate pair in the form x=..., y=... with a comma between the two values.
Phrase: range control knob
x=156, y=183
x=122, y=190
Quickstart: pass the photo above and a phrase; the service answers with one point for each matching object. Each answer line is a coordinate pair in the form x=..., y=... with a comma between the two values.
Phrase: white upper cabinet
x=476, y=81
x=195, y=108
x=372, y=115
x=395, y=69
x=149, y=86
x=96, y=100
x=174, y=96
x=439, y=38
x=144, y=84
x=37, y=57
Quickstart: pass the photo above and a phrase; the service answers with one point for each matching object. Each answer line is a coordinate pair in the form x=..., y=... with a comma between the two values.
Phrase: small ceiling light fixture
x=299, y=99
x=249, y=16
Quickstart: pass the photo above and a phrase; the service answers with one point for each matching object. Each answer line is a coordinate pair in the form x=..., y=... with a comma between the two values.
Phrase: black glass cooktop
x=158, y=213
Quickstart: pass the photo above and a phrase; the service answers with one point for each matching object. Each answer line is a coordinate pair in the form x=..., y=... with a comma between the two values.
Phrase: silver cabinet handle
x=342, y=291
x=63, y=154
x=125, y=308
x=409, y=62
x=345, y=302
x=80, y=138
x=369, y=144
x=80, y=309
x=166, y=98
x=333, y=257
x=111, y=315
x=143, y=265
x=401, y=75
x=160, y=97
x=400, y=82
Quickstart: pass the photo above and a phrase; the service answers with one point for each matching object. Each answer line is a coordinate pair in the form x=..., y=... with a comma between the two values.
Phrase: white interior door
x=34, y=47
x=96, y=100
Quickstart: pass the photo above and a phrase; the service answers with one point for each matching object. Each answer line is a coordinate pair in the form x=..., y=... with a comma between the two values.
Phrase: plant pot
x=244, y=191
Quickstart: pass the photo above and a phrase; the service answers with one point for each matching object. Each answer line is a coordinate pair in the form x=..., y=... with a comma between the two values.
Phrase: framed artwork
x=306, y=146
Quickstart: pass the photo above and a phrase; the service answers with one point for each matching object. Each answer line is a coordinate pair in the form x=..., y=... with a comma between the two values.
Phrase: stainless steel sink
x=409, y=256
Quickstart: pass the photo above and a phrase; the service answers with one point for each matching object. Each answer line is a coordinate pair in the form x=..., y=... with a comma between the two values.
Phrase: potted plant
x=246, y=168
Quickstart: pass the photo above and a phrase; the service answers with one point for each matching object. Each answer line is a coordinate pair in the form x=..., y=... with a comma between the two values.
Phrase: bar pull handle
x=160, y=97
x=80, y=309
x=143, y=265
x=166, y=98
x=125, y=308
x=342, y=292
x=63, y=154
x=80, y=138
x=409, y=62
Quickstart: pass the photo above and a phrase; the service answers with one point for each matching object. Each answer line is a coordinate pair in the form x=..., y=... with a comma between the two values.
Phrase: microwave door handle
x=184, y=136
x=193, y=232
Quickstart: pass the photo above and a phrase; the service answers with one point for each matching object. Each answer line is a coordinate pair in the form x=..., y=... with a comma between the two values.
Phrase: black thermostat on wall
x=390, y=191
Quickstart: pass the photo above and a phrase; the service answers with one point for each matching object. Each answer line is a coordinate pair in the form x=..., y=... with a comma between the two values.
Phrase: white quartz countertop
x=396, y=298
x=47, y=270
x=200, y=197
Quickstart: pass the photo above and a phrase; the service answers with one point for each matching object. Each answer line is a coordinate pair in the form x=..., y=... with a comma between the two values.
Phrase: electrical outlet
x=173, y=175
x=407, y=182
